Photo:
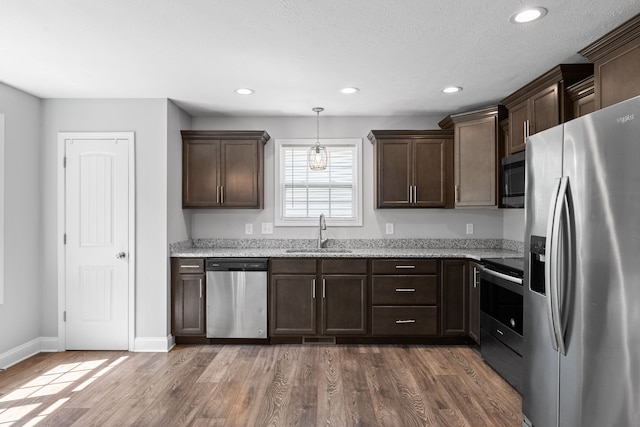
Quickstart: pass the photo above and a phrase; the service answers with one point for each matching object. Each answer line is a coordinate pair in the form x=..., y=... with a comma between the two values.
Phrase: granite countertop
x=459, y=249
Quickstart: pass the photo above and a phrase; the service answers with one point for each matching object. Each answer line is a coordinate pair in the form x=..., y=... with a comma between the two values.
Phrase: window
x=302, y=194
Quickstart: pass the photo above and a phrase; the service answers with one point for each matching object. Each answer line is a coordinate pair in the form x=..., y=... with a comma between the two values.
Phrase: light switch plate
x=248, y=229
x=267, y=228
x=389, y=228
x=469, y=228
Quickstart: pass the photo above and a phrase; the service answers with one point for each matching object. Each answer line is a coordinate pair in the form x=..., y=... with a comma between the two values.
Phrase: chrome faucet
x=321, y=226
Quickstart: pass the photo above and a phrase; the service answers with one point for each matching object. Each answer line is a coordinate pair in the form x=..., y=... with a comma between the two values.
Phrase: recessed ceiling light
x=349, y=90
x=452, y=89
x=528, y=15
x=244, y=91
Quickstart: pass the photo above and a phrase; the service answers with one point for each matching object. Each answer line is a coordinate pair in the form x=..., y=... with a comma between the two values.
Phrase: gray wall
x=513, y=224
x=148, y=119
x=20, y=313
x=408, y=223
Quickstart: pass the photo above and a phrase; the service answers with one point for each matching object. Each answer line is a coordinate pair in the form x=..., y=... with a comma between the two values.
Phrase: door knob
x=121, y=255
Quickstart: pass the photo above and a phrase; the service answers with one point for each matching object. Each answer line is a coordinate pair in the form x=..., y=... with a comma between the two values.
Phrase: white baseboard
x=50, y=344
x=26, y=350
x=153, y=344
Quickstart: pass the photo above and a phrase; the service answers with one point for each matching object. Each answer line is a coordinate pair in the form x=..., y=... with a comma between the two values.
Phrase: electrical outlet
x=469, y=228
x=267, y=228
x=389, y=228
x=248, y=229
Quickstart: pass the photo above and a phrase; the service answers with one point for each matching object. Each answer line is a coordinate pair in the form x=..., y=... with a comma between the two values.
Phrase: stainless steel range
x=501, y=316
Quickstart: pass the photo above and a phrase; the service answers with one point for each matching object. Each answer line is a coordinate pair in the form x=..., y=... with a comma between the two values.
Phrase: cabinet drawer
x=190, y=265
x=405, y=266
x=409, y=320
x=412, y=290
x=293, y=265
x=344, y=266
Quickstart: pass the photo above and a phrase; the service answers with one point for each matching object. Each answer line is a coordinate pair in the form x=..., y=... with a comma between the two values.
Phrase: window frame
x=280, y=221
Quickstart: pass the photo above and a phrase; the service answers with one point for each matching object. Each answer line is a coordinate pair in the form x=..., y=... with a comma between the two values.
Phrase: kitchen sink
x=319, y=251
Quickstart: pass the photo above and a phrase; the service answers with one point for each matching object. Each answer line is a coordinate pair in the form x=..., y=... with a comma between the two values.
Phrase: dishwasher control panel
x=237, y=264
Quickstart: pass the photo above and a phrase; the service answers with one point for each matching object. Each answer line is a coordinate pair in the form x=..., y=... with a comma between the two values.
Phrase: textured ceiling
x=296, y=54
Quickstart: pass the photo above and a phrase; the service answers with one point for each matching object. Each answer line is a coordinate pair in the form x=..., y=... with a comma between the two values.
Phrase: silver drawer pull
x=499, y=331
x=189, y=266
x=405, y=290
x=406, y=266
x=405, y=321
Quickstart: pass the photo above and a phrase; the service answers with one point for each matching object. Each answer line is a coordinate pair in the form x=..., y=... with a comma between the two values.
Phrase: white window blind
x=304, y=194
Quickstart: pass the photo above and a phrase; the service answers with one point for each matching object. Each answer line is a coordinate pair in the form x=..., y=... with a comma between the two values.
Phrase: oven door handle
x=501, y=275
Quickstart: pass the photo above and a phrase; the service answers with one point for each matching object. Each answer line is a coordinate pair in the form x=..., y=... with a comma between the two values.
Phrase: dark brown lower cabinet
x=188, y=297
x=454, y=297
x=474, y=302
x=292, y=305
x=308, y=297
x=404, y=296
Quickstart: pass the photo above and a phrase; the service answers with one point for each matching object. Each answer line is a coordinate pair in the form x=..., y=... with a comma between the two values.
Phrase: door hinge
x=64, y=316
x=64, y=238
x=64, y=162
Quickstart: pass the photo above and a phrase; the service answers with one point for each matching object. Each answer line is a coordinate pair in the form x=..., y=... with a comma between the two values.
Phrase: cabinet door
x=200, y=173
x=188, y=303
x=545, y=110
x=292, y=305
x=240, y=173
x=432, y=170
x=344, y=304
x=474, y=302
x=454, y=298
x=475, y=162
x=518, y=117
x=394, y=173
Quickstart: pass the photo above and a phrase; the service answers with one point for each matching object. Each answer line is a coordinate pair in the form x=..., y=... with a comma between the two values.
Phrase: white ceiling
x=296, y=54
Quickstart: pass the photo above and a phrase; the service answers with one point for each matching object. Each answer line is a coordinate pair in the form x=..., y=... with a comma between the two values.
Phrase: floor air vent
x=318, y=340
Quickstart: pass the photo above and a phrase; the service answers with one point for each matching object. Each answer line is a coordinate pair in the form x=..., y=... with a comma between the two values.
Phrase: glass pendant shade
x=318, y=157
x=318, y=154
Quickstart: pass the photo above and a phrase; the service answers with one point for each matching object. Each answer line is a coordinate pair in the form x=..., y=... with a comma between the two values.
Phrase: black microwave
x=513, y=174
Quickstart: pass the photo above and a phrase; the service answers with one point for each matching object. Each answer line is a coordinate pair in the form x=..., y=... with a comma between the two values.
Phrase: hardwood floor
x=278, y=385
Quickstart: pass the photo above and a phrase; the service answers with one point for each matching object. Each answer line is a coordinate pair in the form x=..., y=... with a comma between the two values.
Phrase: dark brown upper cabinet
x=477, y=150
x=543, y=103
x=413, y=169
x=223, y=169
x=582, y=97
x=616, y=60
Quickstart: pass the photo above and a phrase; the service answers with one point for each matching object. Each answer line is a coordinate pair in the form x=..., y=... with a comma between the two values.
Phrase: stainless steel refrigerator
x=582, y=272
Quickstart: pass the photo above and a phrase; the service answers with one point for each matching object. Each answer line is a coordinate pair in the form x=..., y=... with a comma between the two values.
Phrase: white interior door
x=97, y=253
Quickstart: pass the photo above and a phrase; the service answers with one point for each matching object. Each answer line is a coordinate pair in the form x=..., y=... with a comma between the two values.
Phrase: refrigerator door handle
x=550, y=264
x=551, y=267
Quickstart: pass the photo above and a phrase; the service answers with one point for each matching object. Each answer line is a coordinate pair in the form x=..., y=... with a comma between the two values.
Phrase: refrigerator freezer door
x=540, y=382
x=600, y=374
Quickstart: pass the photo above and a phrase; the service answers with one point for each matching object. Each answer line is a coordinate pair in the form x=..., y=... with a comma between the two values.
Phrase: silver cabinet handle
x=400, y=322
x=313, y=288
x=217, y=194
x=405, y=266
x=222, y=194
x=405, y=290
x=121, y=255
x=410, y=195
x=200, y=288
x=499, y=331
x=189, y=266
x=476, y=272
x=324, y=288
x=415, y=194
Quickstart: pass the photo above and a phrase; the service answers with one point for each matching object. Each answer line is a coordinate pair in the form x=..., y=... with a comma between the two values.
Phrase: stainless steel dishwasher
x=237, y=297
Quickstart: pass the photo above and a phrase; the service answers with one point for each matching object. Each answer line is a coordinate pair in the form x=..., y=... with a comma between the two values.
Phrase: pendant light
x=318, y=154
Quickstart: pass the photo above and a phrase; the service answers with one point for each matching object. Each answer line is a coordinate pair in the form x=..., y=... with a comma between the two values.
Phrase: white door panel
x=97, y=230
